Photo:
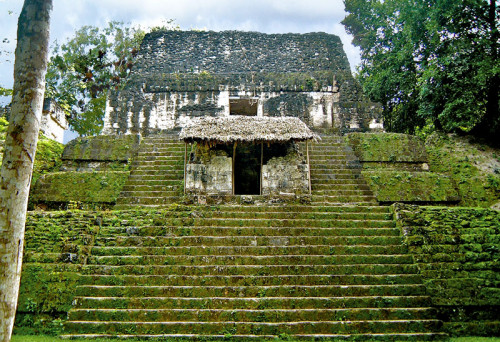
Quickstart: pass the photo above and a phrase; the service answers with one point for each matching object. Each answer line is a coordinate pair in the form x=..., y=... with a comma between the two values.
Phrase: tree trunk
x=20, y=147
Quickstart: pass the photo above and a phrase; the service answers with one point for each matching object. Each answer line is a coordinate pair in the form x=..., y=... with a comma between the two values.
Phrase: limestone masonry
x=181, y=75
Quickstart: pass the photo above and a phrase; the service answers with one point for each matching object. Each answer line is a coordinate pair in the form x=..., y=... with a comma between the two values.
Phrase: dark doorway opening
x=247, y=170
x=247, y=107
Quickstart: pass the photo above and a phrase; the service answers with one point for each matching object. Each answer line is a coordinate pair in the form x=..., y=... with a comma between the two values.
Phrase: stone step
x=232, y=303
x=293, y=208
x=319, y=176
x=156, y=177
x=329, y=182
x=322, y=199
x=165, y=186
x=160, y=241
x=342, y=192
x=249, y=250
x=332, y=186
x=288, y=222
x=172, y=152
x=270, y=215
x=231, y=280
x=252, y=291
x=140, y=201
x=157, y=163
x=208, y=259
x=145, y=184
x=164, y=169
x=319, y=169
x=276, y=236
x=239, y=315
x=251, y=270
x=250, y=337
x=257, y=328
x=166, y=192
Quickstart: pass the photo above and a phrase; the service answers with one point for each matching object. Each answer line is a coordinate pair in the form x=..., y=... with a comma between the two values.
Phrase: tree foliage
x=430, y=62
x=84, y=68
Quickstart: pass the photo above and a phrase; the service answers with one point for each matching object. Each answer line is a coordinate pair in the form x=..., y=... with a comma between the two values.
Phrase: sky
x=267, y=16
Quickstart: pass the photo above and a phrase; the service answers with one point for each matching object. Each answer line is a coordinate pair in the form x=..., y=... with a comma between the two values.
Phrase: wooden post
x=308, y=166
x=234, y=158
x=261, y=164
x=185, y=164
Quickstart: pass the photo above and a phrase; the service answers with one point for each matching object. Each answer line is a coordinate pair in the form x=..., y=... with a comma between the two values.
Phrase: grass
x=19, y=338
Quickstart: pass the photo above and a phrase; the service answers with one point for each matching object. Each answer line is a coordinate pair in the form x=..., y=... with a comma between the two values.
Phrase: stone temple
x=263, y=92
x=179, y=76
x=239, y=192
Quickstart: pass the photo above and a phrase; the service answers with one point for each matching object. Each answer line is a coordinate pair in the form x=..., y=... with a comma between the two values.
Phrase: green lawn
x=18, y=338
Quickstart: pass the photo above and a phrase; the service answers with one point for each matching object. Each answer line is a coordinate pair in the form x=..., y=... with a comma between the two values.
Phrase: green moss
x=404, y=186
x=102, y=148
x=387, y=147
x=47, y=158
x=475, y=187
x=457, y=251
x=97, y=186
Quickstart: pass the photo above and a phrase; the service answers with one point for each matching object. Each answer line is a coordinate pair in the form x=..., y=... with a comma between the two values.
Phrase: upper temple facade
x=181, y=75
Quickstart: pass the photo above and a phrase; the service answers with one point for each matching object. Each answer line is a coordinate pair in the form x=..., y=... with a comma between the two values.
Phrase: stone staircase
x=333, y=269
x=336, y=174
x=157, y=174
x=255, y=272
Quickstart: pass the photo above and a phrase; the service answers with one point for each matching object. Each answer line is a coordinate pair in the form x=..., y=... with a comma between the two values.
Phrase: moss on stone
x=387, y=147
x=405, y=186
x=47, y=158
x=476, y=187
x=102, y=148
x=94, y=187
x=457, y=251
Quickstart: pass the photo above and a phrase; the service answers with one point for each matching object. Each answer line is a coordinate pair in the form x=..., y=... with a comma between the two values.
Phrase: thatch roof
x=237, y=128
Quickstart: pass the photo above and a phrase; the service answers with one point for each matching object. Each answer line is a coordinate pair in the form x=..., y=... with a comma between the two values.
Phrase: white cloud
x=269, y=16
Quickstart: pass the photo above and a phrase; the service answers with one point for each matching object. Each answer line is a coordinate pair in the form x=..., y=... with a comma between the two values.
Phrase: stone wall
x=285, y=175
x=396, y=166
x=181, y=75
x=210, y=172
x=92, y=173
x=212, y=178
x=457, y=252
x=53, y=122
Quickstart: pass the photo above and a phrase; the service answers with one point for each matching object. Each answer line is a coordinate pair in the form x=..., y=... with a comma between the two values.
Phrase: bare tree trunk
x=20, y=147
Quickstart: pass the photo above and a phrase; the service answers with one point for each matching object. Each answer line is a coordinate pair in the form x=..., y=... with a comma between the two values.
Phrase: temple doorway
x=247, y=168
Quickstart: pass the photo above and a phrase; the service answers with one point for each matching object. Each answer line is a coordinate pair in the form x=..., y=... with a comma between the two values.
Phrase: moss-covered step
x=89, y=187
x=159, y=158
x=278, y=215
x=252, y=291
x=298, y=208
x=458, y=254
x=249, y=250
x=157, y=241
x=274, y=270
x=406, y=186
x=255, y=280
x=387, y=147
x=255, y=328
x=266, y=315
x=179, y=231
x=102, y=148
x=248, y=259
x=251, y=303
x=291, y=222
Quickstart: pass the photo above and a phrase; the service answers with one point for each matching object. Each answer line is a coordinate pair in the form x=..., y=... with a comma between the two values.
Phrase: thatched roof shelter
x=246, y=129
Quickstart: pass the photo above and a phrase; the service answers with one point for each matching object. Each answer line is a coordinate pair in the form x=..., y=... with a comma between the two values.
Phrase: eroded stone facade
x=181, y=75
